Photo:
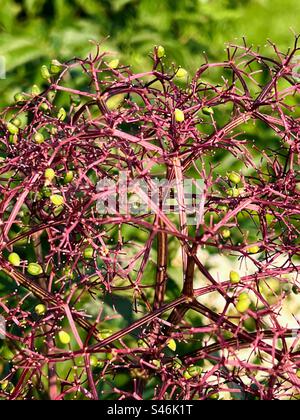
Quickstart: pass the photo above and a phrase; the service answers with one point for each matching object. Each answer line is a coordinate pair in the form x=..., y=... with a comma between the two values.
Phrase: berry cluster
x=124, y=306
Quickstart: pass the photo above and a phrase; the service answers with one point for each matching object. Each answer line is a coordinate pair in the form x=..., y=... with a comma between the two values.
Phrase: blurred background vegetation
x=34, y=31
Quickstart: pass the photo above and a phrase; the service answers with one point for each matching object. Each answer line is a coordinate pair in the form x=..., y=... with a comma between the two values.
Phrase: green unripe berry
x=64, y=337
x=4, y=385
x=69, y=176
x=223, y=208
x=234, y=178
x=17, y=122
x=13, y=129
x=243, y=302
x=58, y=210
x=40, y=310
x=57, y=200
x=115, y=101
x=44, y=107
x=179, y=115
x=142, y=344
x=14, y=259
x=39, y=138
x=243, y=296
x=208, y=111
x=7, y=387
x=53, y=131
x=298, y=373
x=55, y=67
x=186, y=375
x=137, y=373
x=226, y=234
x=177, y=363
x=109, y=356
x=45, y=73
x=34, y=269
x=181, y=74
x=253, y=249
x=156, y=363
x=103, y=334
x=35, y=90
x=62, y=115
x=235, y=278
x=19, y=97
x=160, y=51
x=88, y=253
x=192, y=371
x=243, y=306
x=172, y=344
x=214, y=396
x=233, y=192
x=113, y=64
x=94, y=361
x=50, y=174
x=51, y=96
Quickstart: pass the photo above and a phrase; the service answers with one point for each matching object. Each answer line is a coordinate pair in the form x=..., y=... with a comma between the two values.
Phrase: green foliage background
x=32, y=31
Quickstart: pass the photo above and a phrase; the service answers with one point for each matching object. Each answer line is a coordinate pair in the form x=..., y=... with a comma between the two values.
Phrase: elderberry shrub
x=129, y=304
